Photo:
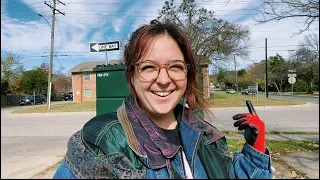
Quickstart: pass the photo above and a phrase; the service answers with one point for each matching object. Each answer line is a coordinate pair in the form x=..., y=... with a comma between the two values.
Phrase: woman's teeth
x=162, y=93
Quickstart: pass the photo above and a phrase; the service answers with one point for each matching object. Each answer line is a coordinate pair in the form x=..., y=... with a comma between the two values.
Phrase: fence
x=13, y=100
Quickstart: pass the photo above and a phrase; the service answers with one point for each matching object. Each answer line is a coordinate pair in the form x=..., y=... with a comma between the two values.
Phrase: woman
x=153, y=136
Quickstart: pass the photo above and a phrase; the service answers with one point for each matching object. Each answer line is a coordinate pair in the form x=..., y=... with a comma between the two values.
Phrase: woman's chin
x=163, y=109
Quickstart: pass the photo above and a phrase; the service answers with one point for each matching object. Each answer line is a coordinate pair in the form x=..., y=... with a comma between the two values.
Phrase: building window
x=87, y=93
x=86, y=75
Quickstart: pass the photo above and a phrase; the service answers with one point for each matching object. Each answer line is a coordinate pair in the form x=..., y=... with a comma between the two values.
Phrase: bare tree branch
x=276, y=10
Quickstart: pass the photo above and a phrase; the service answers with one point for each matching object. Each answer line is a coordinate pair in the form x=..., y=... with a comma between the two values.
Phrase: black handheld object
x=250, y=107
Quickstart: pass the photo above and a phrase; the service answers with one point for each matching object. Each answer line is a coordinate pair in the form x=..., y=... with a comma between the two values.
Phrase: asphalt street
x=32, y=142
x=302, y=118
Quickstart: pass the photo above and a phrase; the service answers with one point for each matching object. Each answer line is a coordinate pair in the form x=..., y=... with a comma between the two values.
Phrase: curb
x=51, y=114
x=260, y=107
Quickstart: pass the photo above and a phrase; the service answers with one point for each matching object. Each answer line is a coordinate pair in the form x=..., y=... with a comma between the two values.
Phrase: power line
x=158, y=4
x=64, y=42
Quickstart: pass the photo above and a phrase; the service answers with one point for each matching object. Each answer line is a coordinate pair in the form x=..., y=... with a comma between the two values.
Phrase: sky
x=28, y=35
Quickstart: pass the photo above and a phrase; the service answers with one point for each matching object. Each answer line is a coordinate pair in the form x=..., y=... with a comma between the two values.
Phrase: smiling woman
x=154, y=136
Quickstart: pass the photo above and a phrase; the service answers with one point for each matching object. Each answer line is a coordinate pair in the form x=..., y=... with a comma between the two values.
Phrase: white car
x=231, y=91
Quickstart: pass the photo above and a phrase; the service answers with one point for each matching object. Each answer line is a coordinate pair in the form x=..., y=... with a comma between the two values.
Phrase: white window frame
x=86, y=75
x=86, y=91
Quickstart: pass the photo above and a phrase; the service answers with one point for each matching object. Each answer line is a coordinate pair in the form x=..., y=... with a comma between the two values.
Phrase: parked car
x=68, y=96
x=230, y=91
x=29, y=99
x=245, y=91
x=248, y=91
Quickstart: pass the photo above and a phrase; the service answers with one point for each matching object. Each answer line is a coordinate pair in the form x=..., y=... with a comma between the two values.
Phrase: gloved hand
x=254, y=129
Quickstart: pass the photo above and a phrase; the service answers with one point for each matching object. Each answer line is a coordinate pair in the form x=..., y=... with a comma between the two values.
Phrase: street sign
x=292, y=75
x=292, y=80
x=253, y=87
x=106, y=46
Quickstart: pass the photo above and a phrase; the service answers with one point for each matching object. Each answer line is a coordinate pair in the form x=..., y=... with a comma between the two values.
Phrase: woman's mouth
x=162, y=93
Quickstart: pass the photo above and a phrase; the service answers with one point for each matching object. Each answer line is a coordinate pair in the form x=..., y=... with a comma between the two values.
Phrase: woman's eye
x=148, y=67
x=177, y=67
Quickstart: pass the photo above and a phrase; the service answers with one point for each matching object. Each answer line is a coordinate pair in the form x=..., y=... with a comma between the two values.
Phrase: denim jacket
x=127, y=144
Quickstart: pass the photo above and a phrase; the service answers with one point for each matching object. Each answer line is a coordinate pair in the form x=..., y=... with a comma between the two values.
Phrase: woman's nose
x=163, y=77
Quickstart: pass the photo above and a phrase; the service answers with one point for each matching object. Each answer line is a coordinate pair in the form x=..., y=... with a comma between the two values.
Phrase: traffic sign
x=106, y=46
x=292, y=80
x=292, y=75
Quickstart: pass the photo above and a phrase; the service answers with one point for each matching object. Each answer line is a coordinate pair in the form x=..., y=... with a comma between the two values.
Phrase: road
x=30, y=143
x=302, y=118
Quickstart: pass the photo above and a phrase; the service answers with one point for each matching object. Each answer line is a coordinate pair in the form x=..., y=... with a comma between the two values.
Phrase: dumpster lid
x=119, y=65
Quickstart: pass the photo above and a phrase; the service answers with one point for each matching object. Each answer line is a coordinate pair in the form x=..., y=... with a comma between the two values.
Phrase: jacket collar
x=152, y=142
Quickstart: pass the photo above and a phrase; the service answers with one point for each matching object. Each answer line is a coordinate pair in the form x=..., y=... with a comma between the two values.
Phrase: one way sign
x=106, y=46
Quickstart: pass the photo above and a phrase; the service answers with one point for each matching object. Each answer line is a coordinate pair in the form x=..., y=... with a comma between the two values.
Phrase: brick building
x=84, y=80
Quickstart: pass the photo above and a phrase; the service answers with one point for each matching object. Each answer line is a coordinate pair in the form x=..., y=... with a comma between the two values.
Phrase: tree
x=63, y=83
x=44, y=67
x=278, y=71
x=276, y=10
x=11, y=71
x=306, y=61
x=213, y=38
x=241, y=72
x=4, y=86
x=34, y=80
x=256, y=74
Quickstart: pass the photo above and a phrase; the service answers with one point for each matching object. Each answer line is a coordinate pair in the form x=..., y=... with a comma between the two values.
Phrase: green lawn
x=222, y=99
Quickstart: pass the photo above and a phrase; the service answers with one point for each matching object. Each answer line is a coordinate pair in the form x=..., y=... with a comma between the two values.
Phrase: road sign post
x=292, y=79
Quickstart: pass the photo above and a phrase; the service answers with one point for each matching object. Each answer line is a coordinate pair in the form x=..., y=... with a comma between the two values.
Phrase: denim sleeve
x=64, y=172
x=251, y=164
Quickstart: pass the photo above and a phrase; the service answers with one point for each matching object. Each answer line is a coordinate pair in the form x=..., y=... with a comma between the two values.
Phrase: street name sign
x=106, y=46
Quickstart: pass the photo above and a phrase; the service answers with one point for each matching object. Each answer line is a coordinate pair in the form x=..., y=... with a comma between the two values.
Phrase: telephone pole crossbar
x=53, y=8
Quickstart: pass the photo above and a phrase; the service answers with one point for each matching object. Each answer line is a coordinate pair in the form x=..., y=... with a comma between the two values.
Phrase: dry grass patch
x=63, y=107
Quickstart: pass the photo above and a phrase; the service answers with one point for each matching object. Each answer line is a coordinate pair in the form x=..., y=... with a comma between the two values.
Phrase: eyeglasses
x=149, y=70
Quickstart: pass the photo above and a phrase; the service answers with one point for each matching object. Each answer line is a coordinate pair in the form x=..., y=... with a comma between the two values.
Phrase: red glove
x=254, y=129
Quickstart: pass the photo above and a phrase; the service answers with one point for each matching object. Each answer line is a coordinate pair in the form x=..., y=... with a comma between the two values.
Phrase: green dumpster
x=111, y=87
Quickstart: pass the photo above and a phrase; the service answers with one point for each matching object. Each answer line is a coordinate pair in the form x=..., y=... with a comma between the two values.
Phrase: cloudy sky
x=28, y=35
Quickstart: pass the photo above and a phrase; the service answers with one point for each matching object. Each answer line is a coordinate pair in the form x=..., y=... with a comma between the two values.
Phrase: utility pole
x=235, y=69
x=266, y=87
x=51, y=49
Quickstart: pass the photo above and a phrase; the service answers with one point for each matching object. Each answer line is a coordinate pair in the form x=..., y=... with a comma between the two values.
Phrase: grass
x=63, y=107
x=219, y=99
x=280, y=148
x=222, y=99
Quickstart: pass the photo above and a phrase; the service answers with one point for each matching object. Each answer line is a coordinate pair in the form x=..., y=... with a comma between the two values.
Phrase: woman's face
x=160, y=96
